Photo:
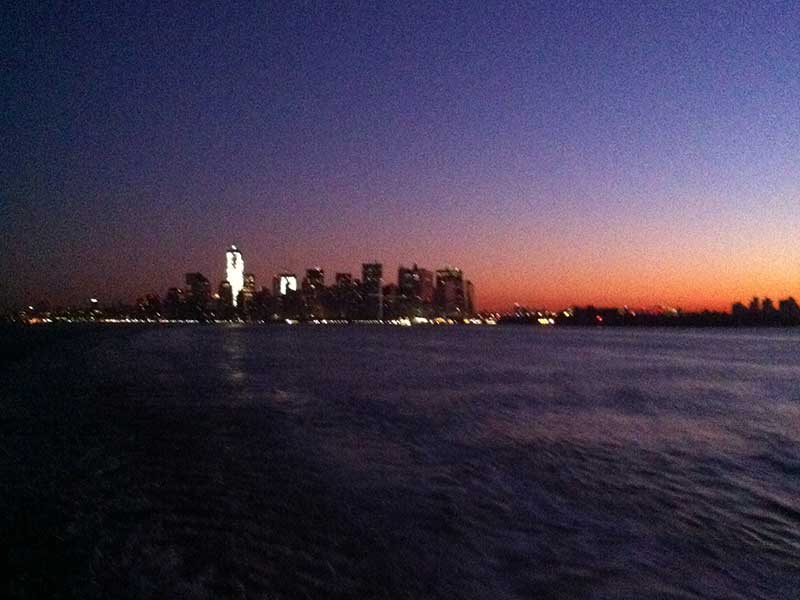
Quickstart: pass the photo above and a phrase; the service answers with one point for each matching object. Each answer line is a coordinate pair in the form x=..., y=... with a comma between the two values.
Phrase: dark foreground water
x=301, y=462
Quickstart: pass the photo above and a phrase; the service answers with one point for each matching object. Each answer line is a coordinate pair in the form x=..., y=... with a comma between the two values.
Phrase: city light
x=234, y=272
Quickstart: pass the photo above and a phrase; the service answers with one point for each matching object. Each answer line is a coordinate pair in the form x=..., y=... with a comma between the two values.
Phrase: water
x=302, y=462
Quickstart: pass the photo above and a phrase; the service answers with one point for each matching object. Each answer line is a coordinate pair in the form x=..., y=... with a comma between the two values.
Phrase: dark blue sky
x=564, y=152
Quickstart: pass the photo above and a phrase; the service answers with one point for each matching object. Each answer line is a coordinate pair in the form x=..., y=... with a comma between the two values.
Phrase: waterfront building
x=344, y=279
x=234, y=271
x=346, y=298
x=248, y=293
x=315, y=278
x=470, y=298
x=415, y=291
x=451, y=299
x=199, y=289
x=372, y=290
x=225, y=294
x=789, y=309
x=313, y=289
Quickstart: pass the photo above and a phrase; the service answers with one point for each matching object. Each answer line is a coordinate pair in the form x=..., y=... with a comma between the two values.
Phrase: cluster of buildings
x=766, y=312
x=418, y=294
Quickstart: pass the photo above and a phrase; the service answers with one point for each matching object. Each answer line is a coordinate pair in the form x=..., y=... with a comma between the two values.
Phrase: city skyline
x=290, y=279
x=419, y=295
x=431, y=288
x=602, y=154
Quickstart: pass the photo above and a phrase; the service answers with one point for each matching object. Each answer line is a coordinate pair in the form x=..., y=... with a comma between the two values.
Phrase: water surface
x=463, y=462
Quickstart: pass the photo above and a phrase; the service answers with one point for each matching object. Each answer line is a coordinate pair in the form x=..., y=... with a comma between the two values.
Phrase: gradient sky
x=559, y=153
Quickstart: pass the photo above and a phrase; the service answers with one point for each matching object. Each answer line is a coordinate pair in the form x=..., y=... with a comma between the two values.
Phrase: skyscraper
x=225, y=295
x=199, y=289
x=234, y=271
x=372, y=287
x=415, y=291
x=451, y=296
x=313, y=292
x=248, y=290
x=346, y=297
x=316, y=277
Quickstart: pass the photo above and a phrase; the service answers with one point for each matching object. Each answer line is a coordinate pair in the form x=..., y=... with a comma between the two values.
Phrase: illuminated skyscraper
x=234, y=271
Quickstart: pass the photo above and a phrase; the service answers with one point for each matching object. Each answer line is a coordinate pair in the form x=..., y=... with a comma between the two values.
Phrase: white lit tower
x=235, y=271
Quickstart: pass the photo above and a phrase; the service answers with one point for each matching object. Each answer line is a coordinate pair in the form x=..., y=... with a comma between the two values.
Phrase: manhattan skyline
x=599, y=154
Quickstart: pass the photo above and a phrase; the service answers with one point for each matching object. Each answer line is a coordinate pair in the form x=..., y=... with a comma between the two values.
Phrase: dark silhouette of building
x=739, y=312
x=149, y=307
x=173, y=303
x=451, y=298
x=789, y=311
x=768, y=311
x=199, y=289
x=755, y=308
x=372, y=290
x=345, y=297
x=415, y=293
x=472, y=309
x=314, y=293
x=391, y=305
x=225, y=303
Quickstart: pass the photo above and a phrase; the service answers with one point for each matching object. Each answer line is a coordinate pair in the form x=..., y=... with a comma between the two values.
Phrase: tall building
x=234, y=271
x=316, y=277
x=790, y=311
x=248, y=289
x=313, y=293
x=372, y=289
x=199, y=289
x=470, y=298
x=415, y=291
x=451, y=297
x=225, y=294
x=346, y=297
x=173, y=303
x=344, y=280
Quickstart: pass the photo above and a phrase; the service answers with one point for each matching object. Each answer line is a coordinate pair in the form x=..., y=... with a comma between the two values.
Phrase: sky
x=560, y=153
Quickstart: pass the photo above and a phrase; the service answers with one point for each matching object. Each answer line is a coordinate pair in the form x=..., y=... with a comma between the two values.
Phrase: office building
x=225, y=294
x=199, y=289
x=451, y=298
x=248, y=290
x=234, y=271
x=470, y=299
x=313, y=290
x=372, y=290
x=415, y=291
